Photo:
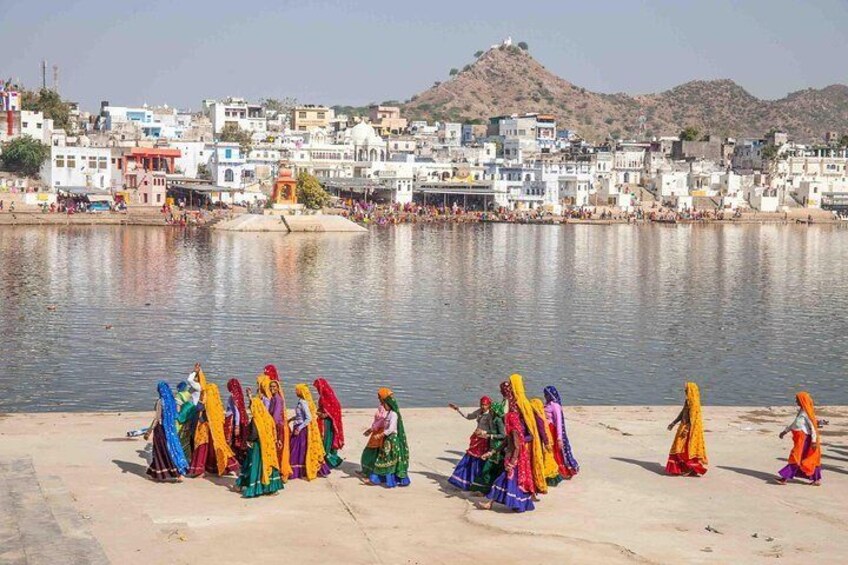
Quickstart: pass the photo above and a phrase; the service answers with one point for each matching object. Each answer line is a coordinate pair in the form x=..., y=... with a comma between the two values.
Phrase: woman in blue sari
x=169, y=461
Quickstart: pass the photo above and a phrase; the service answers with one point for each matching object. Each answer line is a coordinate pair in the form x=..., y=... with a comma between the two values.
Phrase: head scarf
x=271, y=372
x=402, y=468
x=183, y=395
x=263, y=381
x=201, y=378
x=499, y=409
x=509, y=396
x=552, y=395
x=384, y=393
x=314, y=446
x=238, y=399
x=215, y=415
x=537, y=459
x=697, y=448
x=169, y=425
x=330, y=405
x=267, y=432
x=813, y=459
x=485, y=400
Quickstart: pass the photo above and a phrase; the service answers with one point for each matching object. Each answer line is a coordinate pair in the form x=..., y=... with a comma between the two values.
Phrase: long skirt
x=250, y=479
x=161, y=467
x=466, y=471
x=491, y=470
x=203, y=461
x=384, y=471
x=333, y=459
x=679, y=463
x=368, y=459
x=505, y=491
x=800, y=450
x=299, y=448
x=235, y=438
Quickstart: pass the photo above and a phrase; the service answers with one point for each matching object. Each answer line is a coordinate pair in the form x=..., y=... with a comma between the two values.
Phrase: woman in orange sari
x=805, y=457
x=688, y=454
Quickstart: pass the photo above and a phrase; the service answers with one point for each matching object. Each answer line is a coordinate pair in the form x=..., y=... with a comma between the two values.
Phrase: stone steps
x=38, y=521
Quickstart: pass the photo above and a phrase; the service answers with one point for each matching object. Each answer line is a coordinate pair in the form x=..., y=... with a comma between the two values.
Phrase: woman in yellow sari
x=211, y=451
x=543, y=425
x=260, y=473
x=272, y=396
x=525, y=409
x=307, y=449
x=688, y=454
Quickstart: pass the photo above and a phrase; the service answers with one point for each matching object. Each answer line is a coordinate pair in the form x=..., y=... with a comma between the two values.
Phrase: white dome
x=362, y=133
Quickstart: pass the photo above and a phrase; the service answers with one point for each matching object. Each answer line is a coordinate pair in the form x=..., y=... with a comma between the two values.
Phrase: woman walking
x=307, y=450
x=688, y=454
x=236, y=421
x=568, y=466
x=330, y=422
x=260, y=473
x=275, y=402
x=211, y=451
x=168, y=461
x=471, y=464
x=388, y=464
x=544, y=425
x=805, y=457
x=514, y=487
x=528, y=418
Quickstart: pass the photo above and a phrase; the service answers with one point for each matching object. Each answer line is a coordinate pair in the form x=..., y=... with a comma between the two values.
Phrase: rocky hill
x=509, y=80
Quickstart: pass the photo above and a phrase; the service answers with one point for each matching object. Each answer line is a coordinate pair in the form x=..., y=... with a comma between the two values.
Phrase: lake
x=93, y=317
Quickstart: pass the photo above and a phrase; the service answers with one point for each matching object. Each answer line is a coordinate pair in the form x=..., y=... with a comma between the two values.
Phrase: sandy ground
x=71, y=485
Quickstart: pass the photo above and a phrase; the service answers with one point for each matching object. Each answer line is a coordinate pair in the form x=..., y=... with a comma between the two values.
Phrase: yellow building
x=305, y=118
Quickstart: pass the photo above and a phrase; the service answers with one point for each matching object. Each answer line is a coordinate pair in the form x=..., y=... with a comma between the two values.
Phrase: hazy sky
x=323, y=51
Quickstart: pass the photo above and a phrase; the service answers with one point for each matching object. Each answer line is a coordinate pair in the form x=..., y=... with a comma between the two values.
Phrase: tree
x=478, y=54
x=25, y=155
x=234, y=134
x=310, y=193
x=203, y=172
x=843, y=141
x=279, y=106
x=689, y=134
x=50, y=104
x=454, y=71
x=523, y=46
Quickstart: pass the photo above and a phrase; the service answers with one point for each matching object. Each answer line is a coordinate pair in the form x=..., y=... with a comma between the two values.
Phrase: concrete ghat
x=286, y=224
x=620, y=509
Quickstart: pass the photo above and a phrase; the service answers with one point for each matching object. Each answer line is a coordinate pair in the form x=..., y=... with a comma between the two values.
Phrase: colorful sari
x=307, y=449
x=688, y=453
x=391, y=467
x=375, y=441
x=276, y=405
x=507, y=488
x=168, y=461
x=236, y=423
x=536, y=450
x=471, y=464
x=568, y=466
x=545, y=427
x=330, y=421
x=805, y=457
x=493, y=464
x=211, y=451
x=260, y=473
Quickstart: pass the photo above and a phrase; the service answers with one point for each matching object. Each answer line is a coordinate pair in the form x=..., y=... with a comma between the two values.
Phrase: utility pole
x=44, y=73
x=56, y=79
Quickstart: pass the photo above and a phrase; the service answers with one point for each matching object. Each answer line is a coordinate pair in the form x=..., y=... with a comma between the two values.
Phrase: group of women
x=688, y=454
x=194, y=433
x=518, y=450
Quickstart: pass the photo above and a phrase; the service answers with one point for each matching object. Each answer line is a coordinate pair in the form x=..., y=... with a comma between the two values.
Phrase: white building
x=236, y=111
x=228, y=167
x=71, y=166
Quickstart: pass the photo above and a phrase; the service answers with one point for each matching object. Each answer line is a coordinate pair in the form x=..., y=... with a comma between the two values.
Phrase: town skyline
x=337, y=54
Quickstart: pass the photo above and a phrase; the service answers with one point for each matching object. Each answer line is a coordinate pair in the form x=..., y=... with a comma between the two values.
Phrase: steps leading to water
x=285, y=224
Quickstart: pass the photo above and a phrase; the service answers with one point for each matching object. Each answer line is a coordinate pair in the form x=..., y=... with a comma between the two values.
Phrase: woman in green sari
x=330, y=422
x=260, y=473
x=186, y=413
x=493, y=458
x=386, y=459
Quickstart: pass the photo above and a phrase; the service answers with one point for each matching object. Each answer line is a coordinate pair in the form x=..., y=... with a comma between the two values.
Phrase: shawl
x=813, y=457
x=271, y=372
x=499, y=409
x=238, y=400
x=537, y=459
x=696, y=446
x=215, y=416
x=201, y=379
x=267, y=431
x=329, y=404
x=551, y=468
x=384, y=393
x=523, y=473
x=169, y=425
x=277, y=408
x=552, y=394
x=509, y=397
x=315, y=453
x=402, y=468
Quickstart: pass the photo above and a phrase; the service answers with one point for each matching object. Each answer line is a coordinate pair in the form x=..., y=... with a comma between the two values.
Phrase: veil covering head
x=215, y=416
x=813, y=459
x=234, y=386
x=314, y=446
x=697, y=447
x=331, y=406
x=526, y=410
x=402, y=468
x=169, y=426
x=267, y=431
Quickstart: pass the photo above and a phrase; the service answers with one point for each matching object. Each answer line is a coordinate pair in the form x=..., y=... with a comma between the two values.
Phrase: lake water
x=610, y=314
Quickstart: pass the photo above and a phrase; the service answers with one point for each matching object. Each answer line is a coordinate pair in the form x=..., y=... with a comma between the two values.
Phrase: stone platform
x=306, y=223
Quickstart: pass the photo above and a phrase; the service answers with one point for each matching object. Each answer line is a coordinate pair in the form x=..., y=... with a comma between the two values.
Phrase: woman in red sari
x=514, y=487
x=330, y=422
x=236, y=422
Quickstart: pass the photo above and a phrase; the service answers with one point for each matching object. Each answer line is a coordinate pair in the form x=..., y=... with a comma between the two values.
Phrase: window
x=228, y=153
x=158, y=198
x=101, y=162
x=92, y=162
x=72, y=161
x=60, y=161
x=145, y=198
x=24, y=124
x=228, y=175
x=321, y=115
x=38, y=125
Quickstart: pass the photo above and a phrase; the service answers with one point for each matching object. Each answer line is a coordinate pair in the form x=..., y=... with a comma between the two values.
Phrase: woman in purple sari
x=568, y=466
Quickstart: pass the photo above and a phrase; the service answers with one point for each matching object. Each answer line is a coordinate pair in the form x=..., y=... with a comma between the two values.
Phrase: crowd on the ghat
x=390, y=214
x=519, y=448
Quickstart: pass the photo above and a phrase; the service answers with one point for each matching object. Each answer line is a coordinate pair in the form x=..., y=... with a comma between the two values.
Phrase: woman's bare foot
x=815, y=484
x=781, y=481
x=485, y=505
x=477, y=494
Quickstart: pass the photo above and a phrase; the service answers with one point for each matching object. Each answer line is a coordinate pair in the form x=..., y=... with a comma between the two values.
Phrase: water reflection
x=93, y=317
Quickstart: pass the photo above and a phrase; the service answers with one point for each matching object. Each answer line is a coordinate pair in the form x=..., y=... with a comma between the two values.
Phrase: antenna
x=56, y=79
x=44, y=73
